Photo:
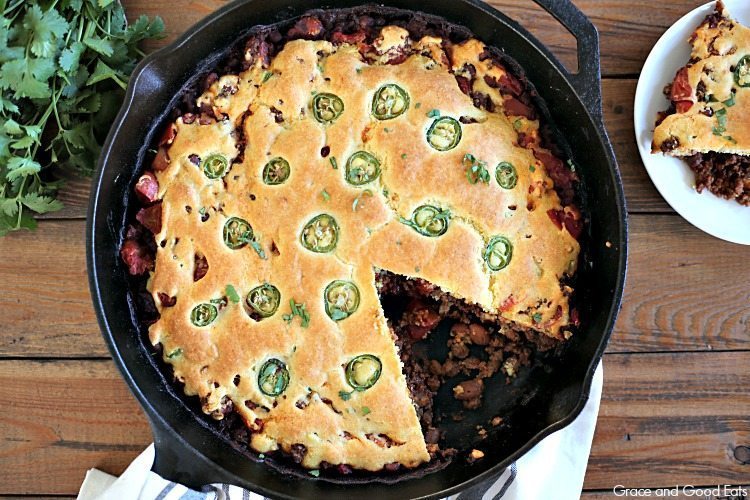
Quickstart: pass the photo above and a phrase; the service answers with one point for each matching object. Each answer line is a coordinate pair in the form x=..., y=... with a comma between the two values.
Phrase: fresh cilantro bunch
x=64, y=65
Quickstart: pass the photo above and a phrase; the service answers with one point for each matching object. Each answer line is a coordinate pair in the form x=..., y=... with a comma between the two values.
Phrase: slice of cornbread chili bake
x=330, y=167
x=707, y=123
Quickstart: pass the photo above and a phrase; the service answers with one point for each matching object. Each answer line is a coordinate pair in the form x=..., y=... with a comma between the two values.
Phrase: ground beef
x=479, y=347
x=723, y=174
x=297, y=452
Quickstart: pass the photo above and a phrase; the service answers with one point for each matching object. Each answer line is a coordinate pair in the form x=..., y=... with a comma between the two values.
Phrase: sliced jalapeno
x=276, y=171
x=264, y=300
x=444, y=133
x=742, y=72
x=361, y=168
x=273, y=377
x=363, y=371
x=341, y=299
x=506, y=175
x=429, y=220
x=321, y=234
x=389, y=102
x=215, y=166
x=237, y=233
x=203, y=314
x=327, y=107
x=498, y=253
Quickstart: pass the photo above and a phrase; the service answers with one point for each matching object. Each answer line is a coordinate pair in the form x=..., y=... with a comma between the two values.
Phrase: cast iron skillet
x=542, y=400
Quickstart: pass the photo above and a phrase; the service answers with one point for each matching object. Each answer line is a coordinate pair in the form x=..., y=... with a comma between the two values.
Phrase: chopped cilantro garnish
x=258, y=249
x=403, y=156
x=433, y=113
x=476, y=170
x=359, y=70
x=532, y=168
x=517, y=124
x=537, y=317
x=325, y=195
x=175, y=353
x=315, y=473
x=365, y=410
x=345, y=395
x=418, y=105
x=266, y=76
x=334, y=163
x=729, y=102
x=297, y=310
x=387, y=130
x=232, y=294
x=721, y=119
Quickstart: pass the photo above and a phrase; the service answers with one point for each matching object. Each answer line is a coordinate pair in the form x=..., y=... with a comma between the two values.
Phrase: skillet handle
x=587, y=81
x=176, y=461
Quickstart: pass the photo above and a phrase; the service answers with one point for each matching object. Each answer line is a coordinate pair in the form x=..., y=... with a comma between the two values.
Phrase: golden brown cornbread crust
x=220, y=362
x=718, y=45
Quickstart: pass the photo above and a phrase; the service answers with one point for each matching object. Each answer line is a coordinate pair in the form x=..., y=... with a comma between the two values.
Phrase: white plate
x=725, y=219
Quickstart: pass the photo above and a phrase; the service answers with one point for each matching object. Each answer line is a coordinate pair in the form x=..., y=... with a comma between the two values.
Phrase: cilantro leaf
x=44, y=28
x=232, y=294
x=103, y=47
x=41, y=204
x=9, y=207
x=18, y=167
x=18, y=75
x=102, y=72
x=70, y=57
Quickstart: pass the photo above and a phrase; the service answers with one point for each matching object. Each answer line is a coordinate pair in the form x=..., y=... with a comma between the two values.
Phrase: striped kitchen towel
x=552, y=469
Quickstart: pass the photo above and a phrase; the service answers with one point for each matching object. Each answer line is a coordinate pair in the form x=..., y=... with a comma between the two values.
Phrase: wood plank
x=670, y=304
x=669, y=419
x=46, y=307
x=682, y=420
x=685, y=290
x=640, y=193
x=683, y=492
x=68, y=416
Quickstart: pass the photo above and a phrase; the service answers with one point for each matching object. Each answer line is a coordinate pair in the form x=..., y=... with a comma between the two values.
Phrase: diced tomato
x=147, y=187
x=161, y=160
x=508, y=303
x=150, y=217
x=338, y=37
x=681, y=90
x=422, y=319
x=683, y=106
x=135, y=257
x=168, y=136
x=464, y=84
x=514, y=107
x=306, y=27
x=573, y=222
x=556, y=216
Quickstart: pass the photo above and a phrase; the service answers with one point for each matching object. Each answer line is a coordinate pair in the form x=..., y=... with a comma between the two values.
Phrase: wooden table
x=676, y=398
